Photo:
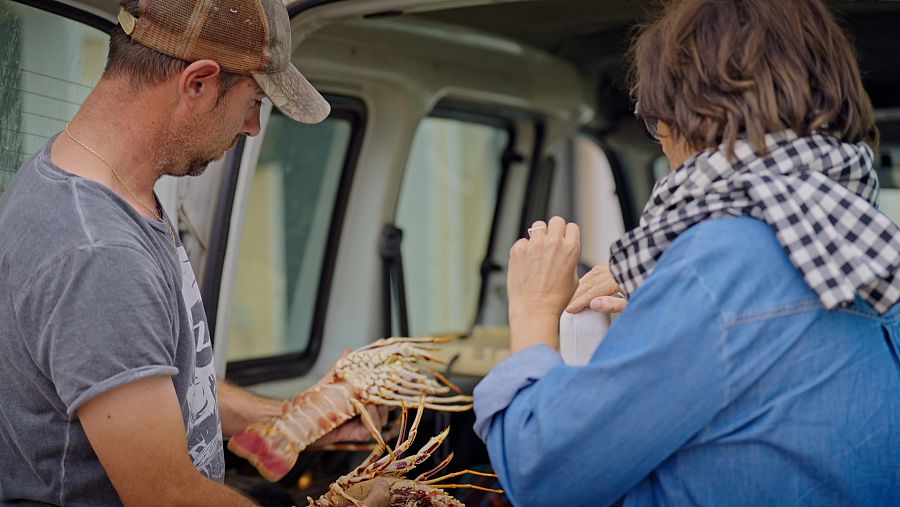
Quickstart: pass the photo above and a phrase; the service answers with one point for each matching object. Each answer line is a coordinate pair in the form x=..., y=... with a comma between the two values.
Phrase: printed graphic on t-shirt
x=204, y=429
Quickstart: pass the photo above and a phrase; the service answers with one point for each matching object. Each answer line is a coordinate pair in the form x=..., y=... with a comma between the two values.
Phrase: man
x=107, y=384
x=757, y=359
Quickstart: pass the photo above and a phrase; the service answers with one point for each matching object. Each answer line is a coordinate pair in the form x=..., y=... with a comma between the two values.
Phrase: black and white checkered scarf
x=817, y=193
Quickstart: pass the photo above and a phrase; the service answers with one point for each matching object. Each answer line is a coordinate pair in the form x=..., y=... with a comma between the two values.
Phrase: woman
x=757, y=360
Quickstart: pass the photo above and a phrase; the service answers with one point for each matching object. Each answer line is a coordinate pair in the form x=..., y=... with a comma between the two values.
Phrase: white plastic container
x=580, y=334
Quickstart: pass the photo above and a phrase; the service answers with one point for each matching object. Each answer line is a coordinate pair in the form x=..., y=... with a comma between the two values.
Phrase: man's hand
x=137, y=432
x=540, y=282
x=379, y=495
x=354, y=430
x=596, y=289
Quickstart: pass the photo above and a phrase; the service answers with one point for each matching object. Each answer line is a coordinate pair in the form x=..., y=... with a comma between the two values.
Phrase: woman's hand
x=540, y=282
x=596, y=289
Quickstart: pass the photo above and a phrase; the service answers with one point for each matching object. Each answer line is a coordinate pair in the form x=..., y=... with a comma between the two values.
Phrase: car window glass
x=49, y=66
x=887, y=163
x=284, y=238
x=599, y=210
x=447, y=202
x=661, y=168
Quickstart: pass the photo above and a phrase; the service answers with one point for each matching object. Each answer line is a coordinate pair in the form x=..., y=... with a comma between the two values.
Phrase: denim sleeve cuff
x=497, y=390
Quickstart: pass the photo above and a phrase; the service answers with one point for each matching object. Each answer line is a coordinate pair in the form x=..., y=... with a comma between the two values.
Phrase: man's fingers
x=383, y=412
x=379, y=495
x=357, y=433
x=378, y=414
x=373, y=412
x=608, y=304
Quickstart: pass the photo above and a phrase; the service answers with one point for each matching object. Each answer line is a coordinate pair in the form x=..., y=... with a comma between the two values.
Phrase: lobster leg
x=457, y=474
x=402, y=465
x=425, y=475
x=466, y=486
x=402, y=445
x=380, y=445
x=433, y=406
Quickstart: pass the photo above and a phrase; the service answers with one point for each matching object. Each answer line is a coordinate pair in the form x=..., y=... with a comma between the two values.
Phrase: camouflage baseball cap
x=250, y=37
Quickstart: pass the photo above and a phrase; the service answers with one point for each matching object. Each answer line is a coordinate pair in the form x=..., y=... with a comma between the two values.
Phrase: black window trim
x=534, y=206
x=294, y=364
x=302, y=5
x=211, y=285
x=71, y=12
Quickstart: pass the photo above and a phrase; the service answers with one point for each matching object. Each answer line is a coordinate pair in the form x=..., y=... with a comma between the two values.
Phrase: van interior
x=455, y=124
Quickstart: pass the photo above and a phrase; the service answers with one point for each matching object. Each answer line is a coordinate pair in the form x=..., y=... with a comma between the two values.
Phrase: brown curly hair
x=717, y=70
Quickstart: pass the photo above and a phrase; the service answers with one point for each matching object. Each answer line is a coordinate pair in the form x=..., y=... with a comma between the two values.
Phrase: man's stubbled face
x=189, y=146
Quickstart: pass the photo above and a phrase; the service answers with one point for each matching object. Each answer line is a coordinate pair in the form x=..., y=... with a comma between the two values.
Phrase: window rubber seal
x=71, y=12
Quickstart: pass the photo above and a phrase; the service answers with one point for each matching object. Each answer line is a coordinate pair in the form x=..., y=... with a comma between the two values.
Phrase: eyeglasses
x=649, y=123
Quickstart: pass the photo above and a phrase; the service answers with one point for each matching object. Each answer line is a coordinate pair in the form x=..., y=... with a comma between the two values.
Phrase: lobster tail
x=267, y=452
x=272, y=446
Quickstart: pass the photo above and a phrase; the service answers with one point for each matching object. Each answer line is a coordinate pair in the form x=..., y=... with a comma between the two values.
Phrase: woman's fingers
x=587, y=293
x=556, y=227
x=573, y=232
x=596, y=283
x=588, y=281
x=541, y=279
x=537, y=228
x=609, y=304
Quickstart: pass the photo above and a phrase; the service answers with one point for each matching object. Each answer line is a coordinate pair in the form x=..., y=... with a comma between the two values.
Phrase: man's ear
x=199, y=81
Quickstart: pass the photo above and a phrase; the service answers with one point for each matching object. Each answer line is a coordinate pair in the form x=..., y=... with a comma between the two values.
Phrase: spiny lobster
x=386, y=464
x=386, y=372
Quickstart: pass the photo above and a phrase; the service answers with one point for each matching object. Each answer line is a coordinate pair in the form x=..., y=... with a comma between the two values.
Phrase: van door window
x=446, y=207
x=50, y=64
x=596, y=199
x=288, y=218
x=887, y=163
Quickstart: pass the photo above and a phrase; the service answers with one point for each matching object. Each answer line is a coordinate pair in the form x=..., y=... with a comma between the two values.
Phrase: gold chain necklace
x=157, y=216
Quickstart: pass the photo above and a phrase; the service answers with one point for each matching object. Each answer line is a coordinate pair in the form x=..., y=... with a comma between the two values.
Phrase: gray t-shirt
x=94, y=296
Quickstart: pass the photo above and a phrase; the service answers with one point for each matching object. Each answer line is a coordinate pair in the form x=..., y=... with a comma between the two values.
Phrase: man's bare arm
x=137, y=432
x=239, y=407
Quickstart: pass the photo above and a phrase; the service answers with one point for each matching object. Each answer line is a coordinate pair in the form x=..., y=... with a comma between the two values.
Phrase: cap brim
x=292, y=94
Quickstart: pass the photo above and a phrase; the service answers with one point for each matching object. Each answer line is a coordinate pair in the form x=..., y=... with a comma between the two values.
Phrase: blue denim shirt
x=724, y=382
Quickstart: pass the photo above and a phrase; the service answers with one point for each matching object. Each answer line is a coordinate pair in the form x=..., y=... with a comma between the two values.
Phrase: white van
x=455, y=124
